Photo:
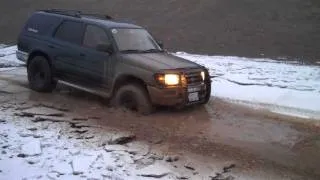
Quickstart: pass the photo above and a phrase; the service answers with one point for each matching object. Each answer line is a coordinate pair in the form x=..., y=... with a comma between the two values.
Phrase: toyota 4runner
x=116, y=60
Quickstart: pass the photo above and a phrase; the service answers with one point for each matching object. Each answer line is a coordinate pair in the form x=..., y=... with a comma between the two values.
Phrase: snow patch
x=8, y=57
x=62, y=168
x=81, y=164
x=264, y=81
x=154, y=171
x=32, y=148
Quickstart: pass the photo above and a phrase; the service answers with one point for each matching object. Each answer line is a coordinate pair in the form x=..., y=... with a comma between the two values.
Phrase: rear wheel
x=133, y=97
x=40, y=75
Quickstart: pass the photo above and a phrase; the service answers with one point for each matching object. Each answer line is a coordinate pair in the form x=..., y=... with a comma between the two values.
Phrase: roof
x=109, y=23
x=99, y=19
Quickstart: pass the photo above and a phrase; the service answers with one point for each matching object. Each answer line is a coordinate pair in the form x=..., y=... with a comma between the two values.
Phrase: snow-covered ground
x=8, y=57
x=53, y=145
x=288, y=88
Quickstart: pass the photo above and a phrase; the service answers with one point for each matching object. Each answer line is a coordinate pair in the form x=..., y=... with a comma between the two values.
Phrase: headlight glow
x=203, y=75
x=171, y=79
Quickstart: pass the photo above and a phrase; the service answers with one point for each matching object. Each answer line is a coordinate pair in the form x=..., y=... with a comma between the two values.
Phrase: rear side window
x=70, y=31
x=41, y=24
x=94, y=36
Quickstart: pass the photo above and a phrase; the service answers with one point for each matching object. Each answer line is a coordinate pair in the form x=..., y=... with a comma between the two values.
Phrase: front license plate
x=193, y=97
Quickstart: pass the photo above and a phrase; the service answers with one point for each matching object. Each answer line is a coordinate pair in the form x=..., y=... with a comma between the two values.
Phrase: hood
x=158, y=61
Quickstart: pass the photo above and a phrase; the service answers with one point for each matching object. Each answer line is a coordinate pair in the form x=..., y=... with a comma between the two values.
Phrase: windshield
x=134, y=40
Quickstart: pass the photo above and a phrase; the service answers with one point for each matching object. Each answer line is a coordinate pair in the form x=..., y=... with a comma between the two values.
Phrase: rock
x=37, y=136
x=111, y=148
x=172, y=158
x=5, y=146
x=110, y=168
x=79, y=131
x=74, y=152
x=80, y=119
x=32, y=129
x=33, y=160
x=139, y=149
x=2, y=121
x=21, y=155
x=94, y=117
x=156, y=156
x=154, y=171
x=50, y=119
x=4, y=134
x=64, y=109
x=190, y=166
x=228, y=168
x=62, y=168
x=183, y=177
x=3, y=152
x=81, y=164
x=157, y=141
x=89, y=137
x=220, y=176
x=32, y=148
x=122, y=138
x=77, y=125
x=230, y=178
x=24, y=114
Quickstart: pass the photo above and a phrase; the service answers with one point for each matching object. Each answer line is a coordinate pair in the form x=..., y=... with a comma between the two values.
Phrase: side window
x=94, y=36
x=41, y=24
x=70, y=31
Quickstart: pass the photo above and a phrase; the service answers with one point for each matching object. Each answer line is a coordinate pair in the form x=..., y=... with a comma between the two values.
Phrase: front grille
x=193, y=77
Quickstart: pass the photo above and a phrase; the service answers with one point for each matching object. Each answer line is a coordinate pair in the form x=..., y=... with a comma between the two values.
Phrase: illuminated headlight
x=203, y=75
x=171, y=79
x=168, y=79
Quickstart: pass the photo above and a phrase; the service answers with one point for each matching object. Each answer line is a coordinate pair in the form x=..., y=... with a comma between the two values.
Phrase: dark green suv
x=120, y=61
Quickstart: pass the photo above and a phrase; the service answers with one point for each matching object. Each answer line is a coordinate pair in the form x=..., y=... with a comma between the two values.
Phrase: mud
x=260, y=144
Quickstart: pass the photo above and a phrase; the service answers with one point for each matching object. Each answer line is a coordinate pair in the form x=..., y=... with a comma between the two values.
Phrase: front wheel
x=208, y=93
x=133, y=97
x=40, y=75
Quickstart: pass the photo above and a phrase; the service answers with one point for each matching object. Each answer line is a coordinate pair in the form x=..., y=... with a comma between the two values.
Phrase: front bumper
x=179, y=96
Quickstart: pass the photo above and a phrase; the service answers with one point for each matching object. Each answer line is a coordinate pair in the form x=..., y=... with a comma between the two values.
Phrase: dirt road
x=262, y=145
x=250, y=28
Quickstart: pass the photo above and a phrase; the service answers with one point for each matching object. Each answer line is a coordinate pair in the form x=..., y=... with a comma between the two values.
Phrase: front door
x=93, y=66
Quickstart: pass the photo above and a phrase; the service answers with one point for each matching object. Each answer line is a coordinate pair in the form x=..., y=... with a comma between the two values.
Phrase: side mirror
x=105, y=48
x=160, y=43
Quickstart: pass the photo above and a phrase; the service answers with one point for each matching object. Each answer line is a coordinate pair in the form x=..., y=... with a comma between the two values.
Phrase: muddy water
x=219, y=132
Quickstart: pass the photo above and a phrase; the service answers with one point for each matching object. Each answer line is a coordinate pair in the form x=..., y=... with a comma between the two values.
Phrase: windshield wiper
x=132, y=51
x=152, y=50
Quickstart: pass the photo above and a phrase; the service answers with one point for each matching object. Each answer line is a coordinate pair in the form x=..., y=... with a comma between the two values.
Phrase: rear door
x=94, y=65
x=66, y=48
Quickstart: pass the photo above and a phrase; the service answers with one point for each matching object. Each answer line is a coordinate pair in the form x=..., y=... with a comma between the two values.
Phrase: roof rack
x=75, y=13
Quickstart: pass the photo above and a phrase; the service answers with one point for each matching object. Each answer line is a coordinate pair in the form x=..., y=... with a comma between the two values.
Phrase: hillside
x=251, y=28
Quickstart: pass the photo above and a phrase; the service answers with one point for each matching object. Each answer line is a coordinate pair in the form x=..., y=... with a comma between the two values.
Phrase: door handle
x=82, y=55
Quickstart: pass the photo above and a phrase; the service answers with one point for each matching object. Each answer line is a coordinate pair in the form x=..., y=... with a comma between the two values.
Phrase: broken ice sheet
x=81, y=163
x=32, y=148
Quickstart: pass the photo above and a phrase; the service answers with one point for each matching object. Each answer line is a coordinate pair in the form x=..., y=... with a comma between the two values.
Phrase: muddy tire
x=208, y=95
x=133, y=97
x=40, y=75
